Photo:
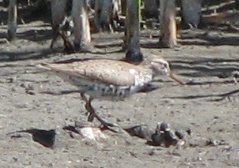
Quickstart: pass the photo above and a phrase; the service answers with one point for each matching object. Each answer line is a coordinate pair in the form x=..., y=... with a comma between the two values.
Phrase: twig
x=224, y=95
x=221, y=95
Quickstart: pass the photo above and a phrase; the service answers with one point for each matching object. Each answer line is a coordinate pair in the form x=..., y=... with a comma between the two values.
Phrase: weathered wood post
x=132, y=31
x=191, y=12
x=168, y=28
x=12, y=20
x=81, y=25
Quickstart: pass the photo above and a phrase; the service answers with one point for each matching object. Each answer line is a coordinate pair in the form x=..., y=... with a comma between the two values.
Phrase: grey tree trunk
x=58, y=14
x=123, y=7
x=168, y=29
x=151, y=8
x=81, y=25
x=191, y=12
x=237, y=4
x=133, y=52
x=12, y=20
x=106, y=11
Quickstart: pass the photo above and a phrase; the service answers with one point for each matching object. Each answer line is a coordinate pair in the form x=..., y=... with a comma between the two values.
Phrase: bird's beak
x=176, y=78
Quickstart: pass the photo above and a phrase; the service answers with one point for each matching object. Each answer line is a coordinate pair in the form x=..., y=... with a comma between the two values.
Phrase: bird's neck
x=149, y=68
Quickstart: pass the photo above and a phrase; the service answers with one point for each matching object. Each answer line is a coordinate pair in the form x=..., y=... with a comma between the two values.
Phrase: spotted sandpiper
x=108, y=79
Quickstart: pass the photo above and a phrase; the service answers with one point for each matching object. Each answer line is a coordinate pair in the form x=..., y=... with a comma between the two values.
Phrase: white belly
x=104, y=91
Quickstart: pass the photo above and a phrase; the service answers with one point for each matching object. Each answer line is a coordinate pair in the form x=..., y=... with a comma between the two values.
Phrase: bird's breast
x=111, y=92
x=97, y=89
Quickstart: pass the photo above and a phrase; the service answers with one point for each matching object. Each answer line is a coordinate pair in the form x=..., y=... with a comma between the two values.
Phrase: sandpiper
x=108, y=79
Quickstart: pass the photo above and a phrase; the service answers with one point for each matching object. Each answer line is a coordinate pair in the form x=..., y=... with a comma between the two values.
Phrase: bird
x=108, y=79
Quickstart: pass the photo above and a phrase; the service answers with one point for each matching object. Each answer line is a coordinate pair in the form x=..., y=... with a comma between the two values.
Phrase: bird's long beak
x=175, y=77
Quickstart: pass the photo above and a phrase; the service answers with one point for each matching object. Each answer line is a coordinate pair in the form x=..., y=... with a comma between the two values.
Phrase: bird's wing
x=103, y=70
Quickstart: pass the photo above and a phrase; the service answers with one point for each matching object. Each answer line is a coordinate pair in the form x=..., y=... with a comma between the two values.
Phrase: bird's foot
x=110, y=126
x=104, y=123
x=93, y=114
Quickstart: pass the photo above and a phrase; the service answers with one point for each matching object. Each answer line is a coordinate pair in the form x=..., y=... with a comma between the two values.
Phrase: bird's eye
x=164, y=65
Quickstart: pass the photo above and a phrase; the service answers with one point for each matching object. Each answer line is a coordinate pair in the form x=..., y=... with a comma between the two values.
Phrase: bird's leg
x=88, y=107
x=93, y=113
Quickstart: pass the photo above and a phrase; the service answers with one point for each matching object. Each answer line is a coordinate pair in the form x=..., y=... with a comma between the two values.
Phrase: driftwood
x=218, y=6
x=230, y=17
x=222, y=71
x=215, y=96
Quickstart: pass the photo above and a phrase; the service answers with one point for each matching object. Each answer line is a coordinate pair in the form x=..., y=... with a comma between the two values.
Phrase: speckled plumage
x=107, y=79
x=104, y=77
x=101, y=70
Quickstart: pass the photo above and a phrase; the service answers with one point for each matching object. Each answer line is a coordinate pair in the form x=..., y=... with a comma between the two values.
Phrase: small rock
x=158, y=138
x=180, y=134
x=141, y=131
x=12, y=79
x=89, y=131
x=163, y=126
x=44, y=137
x=214, y=142
x=170, y=138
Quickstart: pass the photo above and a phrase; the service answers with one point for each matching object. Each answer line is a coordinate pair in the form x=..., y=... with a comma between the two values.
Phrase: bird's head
x=162, y=67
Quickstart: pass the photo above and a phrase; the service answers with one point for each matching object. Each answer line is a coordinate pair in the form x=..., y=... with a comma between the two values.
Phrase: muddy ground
x=205, y=59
